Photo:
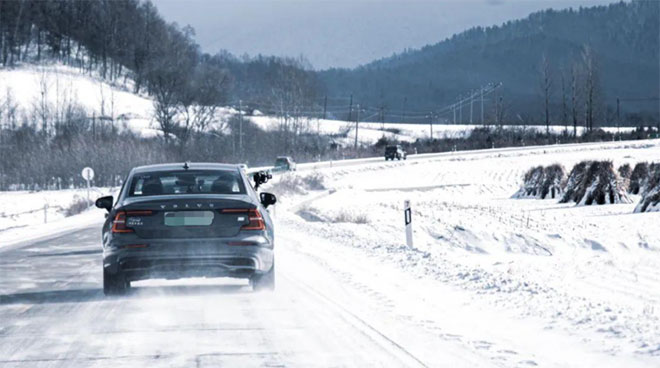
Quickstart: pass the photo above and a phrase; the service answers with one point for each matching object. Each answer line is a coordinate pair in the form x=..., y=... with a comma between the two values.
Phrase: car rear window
x=186, y=182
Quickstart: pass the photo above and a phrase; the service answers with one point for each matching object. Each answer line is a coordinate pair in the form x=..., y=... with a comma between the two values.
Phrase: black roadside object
x=261, y=177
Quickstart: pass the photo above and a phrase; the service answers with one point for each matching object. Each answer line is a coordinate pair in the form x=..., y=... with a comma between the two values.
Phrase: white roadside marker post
x=88, y=174
x=408, y=220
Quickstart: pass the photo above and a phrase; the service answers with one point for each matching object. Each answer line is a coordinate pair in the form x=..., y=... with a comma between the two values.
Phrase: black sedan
x=187, y=220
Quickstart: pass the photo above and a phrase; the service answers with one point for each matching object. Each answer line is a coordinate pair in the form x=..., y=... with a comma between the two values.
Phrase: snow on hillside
x=29, y=86
x=60, y=85
x=583, y=278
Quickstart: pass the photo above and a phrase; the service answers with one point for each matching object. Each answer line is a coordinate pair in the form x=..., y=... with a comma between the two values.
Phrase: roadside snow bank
x=31, y=215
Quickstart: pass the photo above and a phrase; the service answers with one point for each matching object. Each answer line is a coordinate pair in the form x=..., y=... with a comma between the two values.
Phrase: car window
x=186, y=182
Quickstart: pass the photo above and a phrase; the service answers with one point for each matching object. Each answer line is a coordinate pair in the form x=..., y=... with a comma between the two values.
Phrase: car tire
x=114, y=284
x=265, y=281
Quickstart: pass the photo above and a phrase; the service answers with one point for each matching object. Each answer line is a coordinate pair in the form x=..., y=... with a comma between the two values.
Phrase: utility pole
x=496, y=112
x=350, y=109
x=431, y=123
x=482, y=105
x=453, y=109
x=382, y=117
x=325, y=106
x=471, y=99
x=618, y=116
x=240, y=128
x=357, y=118
x=460, y=111
x=403, y=116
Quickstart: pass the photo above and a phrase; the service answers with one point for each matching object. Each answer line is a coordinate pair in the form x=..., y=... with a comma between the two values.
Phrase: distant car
x=395, y=152
x=187, y=220
x=284, y=163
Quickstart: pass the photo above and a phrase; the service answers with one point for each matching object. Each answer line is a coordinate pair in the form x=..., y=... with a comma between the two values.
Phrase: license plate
x=189, y=218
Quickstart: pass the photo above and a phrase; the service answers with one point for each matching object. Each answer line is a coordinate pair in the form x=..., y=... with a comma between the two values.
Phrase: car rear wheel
x=265, y=281
x=114, y=284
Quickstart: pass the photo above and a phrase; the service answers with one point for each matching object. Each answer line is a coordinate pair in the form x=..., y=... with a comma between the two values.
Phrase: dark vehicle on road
x=395, y=152
x=284, y=163
x=187, y=220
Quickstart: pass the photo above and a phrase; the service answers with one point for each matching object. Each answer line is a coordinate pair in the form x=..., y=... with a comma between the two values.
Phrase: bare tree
x=564, y=105
x=546, y=89
x=590, y=86
x=575, y=96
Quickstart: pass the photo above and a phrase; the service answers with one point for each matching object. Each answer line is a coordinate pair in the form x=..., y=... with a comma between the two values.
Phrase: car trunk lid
x=188, y=217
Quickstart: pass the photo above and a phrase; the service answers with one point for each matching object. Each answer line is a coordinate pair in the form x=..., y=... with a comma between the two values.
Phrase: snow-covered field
x=533, y=277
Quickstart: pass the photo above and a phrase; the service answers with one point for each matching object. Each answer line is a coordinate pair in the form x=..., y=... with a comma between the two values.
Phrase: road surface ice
x=490, y=282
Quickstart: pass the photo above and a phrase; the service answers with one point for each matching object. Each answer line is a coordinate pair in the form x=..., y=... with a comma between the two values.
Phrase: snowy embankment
x=30, y=215
x=583, y=274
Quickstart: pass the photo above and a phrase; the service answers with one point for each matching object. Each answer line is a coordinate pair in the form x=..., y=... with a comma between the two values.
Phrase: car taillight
x=256, y=222
x=119, y=223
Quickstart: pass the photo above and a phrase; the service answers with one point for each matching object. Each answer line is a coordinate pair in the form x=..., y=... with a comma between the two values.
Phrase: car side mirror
x=267, y=199
x=105, y=203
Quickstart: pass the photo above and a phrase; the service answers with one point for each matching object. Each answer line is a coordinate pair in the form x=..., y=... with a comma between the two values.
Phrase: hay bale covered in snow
x=574, y=183
x=531, y=183
x=540, y=182
x=554, y=180
x=638, y=178
x=624, y=172
x=650, y=201
x=595, y=182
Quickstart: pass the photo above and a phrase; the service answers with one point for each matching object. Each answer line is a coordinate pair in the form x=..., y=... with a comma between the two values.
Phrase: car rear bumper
x=180, y=258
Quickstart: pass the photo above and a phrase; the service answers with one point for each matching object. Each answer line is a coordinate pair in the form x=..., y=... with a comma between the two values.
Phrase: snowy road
x=475, y=291
x=54, y=314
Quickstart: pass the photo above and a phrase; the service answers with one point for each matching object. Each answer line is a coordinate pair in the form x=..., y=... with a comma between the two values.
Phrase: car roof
x=180, y=166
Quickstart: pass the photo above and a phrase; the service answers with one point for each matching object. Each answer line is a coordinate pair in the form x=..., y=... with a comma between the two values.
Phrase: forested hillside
x=614, y=48
x=45, y=141
x=129, y=39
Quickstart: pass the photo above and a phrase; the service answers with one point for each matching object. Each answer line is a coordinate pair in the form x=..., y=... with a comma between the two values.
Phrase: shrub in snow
x=314, y=181
x=540, y=182
x=291, y=183
x=350, y=217
x=638, y=178
x=595, y=182
x=78, y=205
x=650, y=201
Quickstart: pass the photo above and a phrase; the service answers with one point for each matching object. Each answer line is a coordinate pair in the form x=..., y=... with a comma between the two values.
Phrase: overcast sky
x=341, y=33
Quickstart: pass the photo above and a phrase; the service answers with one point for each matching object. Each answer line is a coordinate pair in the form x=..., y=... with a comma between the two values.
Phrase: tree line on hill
x=561, y=67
